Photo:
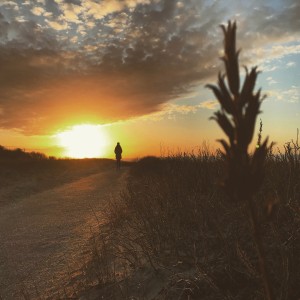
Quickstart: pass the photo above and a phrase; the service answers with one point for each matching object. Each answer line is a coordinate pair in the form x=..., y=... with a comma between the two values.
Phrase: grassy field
x=175, y=223
x=175, y=232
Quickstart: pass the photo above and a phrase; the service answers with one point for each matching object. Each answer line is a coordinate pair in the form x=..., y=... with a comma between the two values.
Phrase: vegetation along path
x=43, y=238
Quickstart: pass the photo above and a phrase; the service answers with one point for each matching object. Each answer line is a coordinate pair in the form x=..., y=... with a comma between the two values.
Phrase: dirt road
x=44, y=237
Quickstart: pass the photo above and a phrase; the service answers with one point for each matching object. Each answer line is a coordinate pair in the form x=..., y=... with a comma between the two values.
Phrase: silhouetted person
x=118, y=152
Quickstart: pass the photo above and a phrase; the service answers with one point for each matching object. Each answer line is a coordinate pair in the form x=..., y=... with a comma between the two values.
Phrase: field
x=173, y=232
x=176, y=234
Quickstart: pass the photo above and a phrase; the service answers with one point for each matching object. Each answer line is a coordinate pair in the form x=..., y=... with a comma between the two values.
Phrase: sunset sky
x=137, y=69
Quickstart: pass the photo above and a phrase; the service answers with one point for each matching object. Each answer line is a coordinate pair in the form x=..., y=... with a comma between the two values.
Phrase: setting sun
x=83, y=141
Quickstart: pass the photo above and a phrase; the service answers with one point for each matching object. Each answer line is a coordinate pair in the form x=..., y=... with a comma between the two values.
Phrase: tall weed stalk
x=239, y=109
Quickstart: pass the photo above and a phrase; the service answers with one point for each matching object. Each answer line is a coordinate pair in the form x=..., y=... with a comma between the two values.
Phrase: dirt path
x=43, y=238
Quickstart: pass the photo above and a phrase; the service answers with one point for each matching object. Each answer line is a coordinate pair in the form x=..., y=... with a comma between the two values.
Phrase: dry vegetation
x=176, y=220
x=209, y=226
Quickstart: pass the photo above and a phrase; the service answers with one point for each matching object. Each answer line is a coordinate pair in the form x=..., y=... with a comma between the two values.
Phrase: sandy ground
x=44, y=237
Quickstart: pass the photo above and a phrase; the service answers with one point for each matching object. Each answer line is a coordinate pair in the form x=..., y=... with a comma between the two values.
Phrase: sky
x=137, y=70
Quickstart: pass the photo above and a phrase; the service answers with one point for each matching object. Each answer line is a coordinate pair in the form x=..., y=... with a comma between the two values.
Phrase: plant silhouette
x=237, y=118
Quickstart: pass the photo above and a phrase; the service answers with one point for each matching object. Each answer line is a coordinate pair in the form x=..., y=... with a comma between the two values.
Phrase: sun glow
x=83, y=141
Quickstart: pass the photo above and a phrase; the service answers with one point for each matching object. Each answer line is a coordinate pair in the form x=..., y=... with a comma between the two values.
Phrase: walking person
x=118, y=152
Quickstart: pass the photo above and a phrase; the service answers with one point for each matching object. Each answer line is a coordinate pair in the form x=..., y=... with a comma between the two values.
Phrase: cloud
x=10, y=4
x=103, y=61
x=271, y=81
x=71, y=11
x=38, y=10
x=169, y=111
x=266, y=31
x=58, y=26
x=100, y=10
x=290, y=95
x=209, y=104
x=290, y=64
x=268, y=67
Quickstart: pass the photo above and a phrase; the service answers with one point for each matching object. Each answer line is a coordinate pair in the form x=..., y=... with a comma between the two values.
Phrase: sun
x=83, y=141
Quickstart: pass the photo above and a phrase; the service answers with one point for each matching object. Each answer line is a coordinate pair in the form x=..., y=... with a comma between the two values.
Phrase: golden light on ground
x=83, y=141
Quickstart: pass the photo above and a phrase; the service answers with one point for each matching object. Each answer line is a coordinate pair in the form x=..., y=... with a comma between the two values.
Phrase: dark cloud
x=286, y=20
x=125, y=64
x=269, y=22
x=76, y=2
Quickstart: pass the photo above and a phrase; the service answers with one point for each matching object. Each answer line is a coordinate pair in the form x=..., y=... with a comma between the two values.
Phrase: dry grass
x=176, y=219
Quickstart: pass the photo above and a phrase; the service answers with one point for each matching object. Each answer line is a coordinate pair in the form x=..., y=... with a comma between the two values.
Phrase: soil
x=44, y=237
